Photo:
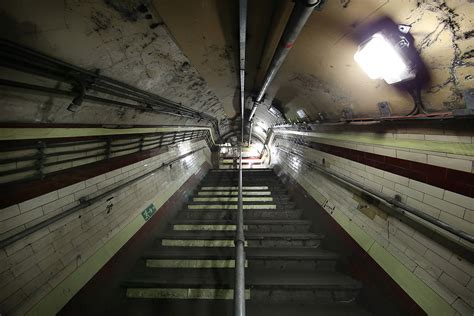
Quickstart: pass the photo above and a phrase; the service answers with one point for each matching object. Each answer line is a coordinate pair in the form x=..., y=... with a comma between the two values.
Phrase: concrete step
x=246, y=182
x=224, y=171
x=259, y=214
x=232, y=199
x=233, y=187
x=262, y=285
x=246, y=205
x=250, y=225
x=233, y=193
x=295, y=258
x=264, y=186
x=147, y=307
x=253, y=239
x=225, y=206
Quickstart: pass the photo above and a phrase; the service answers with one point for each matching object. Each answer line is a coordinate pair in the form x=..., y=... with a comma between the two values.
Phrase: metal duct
x=298, y=18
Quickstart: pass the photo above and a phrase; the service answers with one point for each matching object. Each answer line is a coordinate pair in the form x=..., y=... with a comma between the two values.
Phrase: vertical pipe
x=242, y=33
x=239, y=289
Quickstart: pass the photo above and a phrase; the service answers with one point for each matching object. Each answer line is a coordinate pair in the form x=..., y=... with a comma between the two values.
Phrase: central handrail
x=239, y=284
x=239, y=291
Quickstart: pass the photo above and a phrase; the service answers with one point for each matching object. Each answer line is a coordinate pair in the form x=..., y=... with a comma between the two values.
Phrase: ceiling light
x=383, y=57
x=301, y=114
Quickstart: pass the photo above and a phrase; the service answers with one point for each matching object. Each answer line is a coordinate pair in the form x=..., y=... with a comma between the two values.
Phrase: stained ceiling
x=187, y=51
x=320, y=74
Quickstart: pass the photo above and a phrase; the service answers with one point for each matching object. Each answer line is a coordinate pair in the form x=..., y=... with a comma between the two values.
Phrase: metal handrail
x=86, y=202
x=239, y=286
x=386, y=199
x=141, y=142
x=239, y=291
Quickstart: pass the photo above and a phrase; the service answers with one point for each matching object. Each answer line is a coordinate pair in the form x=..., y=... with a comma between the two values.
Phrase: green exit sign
x=148, y=212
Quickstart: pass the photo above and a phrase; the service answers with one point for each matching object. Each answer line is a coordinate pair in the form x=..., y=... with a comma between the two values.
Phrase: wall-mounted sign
x=148, y=212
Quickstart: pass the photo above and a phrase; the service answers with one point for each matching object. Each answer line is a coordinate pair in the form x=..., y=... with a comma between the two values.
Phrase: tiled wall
x=449, y=275
x=31, y=267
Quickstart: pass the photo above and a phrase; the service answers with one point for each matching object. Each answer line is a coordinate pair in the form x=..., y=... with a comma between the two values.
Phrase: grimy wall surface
x=124, y=40
x=41, y=272
x=430, y=169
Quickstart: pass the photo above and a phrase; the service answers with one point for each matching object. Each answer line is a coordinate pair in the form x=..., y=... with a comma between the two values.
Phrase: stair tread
x=224, y=278
x=247, y=222
x=245, y=210
x=250, y=253
x=231, y=235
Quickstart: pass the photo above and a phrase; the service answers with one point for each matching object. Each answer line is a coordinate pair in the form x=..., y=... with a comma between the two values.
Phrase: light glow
x=302, y=114
x=258, y=129
x=380, y=60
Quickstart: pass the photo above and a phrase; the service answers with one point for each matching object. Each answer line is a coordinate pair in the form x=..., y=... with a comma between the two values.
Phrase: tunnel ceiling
x=187, y=51
x=320, y=74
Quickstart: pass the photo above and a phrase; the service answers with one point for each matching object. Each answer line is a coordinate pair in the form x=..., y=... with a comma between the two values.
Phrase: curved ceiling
x=187, y=51
x=320, y=74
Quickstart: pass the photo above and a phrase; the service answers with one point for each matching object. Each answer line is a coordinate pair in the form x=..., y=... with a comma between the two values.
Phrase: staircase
x=190, y=269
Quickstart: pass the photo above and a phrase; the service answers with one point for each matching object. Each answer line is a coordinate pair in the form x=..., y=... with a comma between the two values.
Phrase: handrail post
x=239, y=284
x=239, y=290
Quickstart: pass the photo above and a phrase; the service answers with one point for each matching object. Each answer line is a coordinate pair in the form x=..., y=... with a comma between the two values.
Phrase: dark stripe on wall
x=452, y=180
x=13, y=193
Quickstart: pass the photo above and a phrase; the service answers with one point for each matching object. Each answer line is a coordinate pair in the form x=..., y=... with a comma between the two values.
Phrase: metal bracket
x=384, y=108
x=469, y=98
x=347, y=114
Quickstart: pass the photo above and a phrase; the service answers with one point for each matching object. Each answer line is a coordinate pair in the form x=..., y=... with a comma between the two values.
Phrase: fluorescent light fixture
x=301, y=114
x=380, y=59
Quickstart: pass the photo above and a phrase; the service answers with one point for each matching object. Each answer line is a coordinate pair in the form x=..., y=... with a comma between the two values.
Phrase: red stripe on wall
x=452, y=180
x=13, y=193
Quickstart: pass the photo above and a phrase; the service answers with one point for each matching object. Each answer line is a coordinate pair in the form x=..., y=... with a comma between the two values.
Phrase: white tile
x=457, y=222
x=469, y=216
x=436, y=286
x=95, y=180
x=21, y=219
x=38, y=201
x=9, y=212
x=407, y=155
x=410, y=192
x=450, y=163
x=71, y=189
x=385, y=151
x=459, y=199
x=47, y=208
x=444, y=206
x=457, y=288
x=396, y=178
x=426, y=188
x=462, y=307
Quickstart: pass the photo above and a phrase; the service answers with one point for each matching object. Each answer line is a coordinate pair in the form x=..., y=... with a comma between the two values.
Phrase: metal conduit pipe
x=86, y=203
x=239, y=287
x=387, y=200
x=23, y=59
x=27, y=86
x=298, y=18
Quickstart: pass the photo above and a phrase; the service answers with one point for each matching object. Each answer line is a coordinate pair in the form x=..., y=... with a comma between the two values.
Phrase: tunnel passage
x=359, y=113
